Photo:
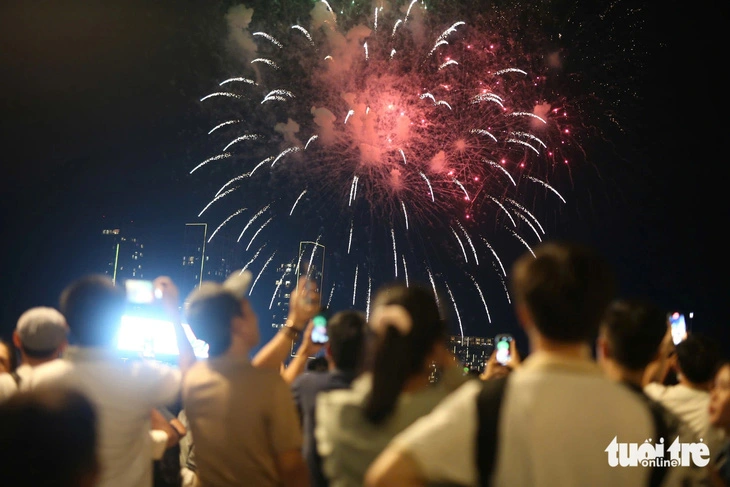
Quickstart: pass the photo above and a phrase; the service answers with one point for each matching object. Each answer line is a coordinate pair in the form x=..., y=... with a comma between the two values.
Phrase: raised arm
x=299, y=362
x=303, y=305
x=170, y=298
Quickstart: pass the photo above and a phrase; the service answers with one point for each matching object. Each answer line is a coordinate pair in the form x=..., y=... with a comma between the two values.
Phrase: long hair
x=401, y=351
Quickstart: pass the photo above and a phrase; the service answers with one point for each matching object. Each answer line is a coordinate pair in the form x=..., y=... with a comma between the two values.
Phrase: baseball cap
x=41, y=329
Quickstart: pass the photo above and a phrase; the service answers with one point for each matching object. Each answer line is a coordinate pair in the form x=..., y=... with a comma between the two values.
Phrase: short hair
x=347, y=331
x=317, y=364
x=48, y=437
x=93, y=307
x=634, y=330
x=566, y=287
x=209, y=312
x=698, y=357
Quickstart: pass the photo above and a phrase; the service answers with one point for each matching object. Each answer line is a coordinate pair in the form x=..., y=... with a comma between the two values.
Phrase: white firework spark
x=494, y=253
x=481, y=296
x=539, y=181
x=405, y=270
x=253, y=219
x=468, y=239
x=265, y=61
x=220, y=93
x=261, y=272
x=433, y=285
x=395, y=252
x=461, y=244
x=238, y=80
x=217, y=198
x=522, y=241
x=253, y=258
x=354, y=285
x=278, y=285
x=224, y=222
x=258, y=231
x=456, y=308
x=297, y=202
x=241, y=139
x=210, y=159
x=268, y=38
x=220, y=125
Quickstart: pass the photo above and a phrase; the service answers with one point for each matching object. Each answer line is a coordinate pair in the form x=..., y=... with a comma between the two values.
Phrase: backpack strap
x=489, y=404
x=16, y=378
x=665, y=426
x=662, y=430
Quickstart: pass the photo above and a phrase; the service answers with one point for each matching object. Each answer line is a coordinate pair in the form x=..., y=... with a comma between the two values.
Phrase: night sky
x=100, y=125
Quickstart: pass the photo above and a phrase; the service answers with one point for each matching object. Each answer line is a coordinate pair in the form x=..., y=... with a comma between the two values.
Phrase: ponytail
x=391, y=369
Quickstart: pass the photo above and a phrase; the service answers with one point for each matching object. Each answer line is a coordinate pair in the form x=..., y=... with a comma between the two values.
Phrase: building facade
x=123, y=255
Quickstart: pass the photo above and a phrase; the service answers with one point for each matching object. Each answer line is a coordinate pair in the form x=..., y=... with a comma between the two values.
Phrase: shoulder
x=655, y=390
x=333, y=404
x=156, y=373
x=312, y=380
x=7, y=386
x=51, y=371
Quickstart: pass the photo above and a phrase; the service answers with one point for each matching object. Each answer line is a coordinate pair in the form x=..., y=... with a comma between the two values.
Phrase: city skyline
x=114, y=134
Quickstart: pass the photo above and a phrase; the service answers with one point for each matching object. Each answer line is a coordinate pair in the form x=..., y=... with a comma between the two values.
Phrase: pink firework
x=416, y=122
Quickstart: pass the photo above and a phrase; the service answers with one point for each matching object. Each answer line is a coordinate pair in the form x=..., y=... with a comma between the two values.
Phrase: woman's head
x=719, y=409
x=407, y=324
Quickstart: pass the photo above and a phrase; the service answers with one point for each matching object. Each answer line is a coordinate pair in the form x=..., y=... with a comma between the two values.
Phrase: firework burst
x=404, y=133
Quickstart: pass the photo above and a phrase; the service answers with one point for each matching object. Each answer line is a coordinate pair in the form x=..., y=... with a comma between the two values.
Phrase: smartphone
x=502, y=344
x=319, y=330
x=140, y=291
x=678, y=325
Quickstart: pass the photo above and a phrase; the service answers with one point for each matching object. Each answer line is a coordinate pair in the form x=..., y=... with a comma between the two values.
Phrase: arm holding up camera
x=306, y=349
x=303, y=305
x=170, y=299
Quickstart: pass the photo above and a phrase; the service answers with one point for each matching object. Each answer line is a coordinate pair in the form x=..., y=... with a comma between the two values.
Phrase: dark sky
x=100, y=123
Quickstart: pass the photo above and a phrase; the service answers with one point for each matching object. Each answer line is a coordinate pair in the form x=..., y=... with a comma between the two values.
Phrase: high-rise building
x=473, y=352
x=193, y=259
x=204, y=259
x=310, y=263
x=123, y=255
x=279, y=304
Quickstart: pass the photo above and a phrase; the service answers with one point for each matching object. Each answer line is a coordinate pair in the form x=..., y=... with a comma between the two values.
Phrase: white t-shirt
x=558, y=417
x=691, y=406
x=124, y=393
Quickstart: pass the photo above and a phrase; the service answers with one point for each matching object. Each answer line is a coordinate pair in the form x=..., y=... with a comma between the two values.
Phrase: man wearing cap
x=40, y=335
x=243, y=418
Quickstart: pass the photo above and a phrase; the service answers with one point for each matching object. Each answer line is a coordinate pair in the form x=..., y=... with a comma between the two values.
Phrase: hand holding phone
x=678, y=326
x=140, y=291
x=319, y=329
x=304, y=303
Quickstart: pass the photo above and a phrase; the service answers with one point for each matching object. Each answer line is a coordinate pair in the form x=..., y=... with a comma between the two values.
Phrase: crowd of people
x=604, y=397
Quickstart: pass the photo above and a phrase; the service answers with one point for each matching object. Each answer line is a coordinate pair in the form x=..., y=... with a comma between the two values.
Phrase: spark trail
x=456, y=309
x=389, y=117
